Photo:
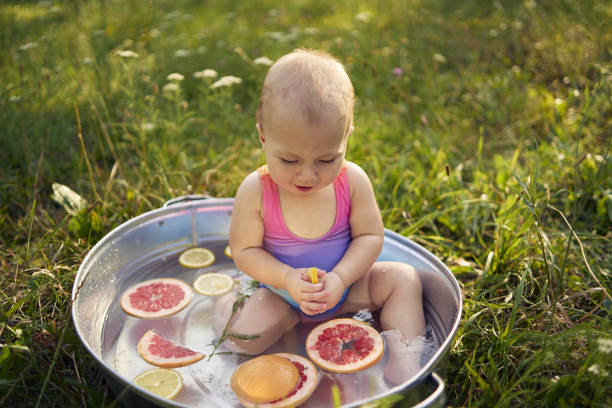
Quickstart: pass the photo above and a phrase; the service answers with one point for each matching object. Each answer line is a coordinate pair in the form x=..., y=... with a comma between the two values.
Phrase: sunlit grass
x=482, y=125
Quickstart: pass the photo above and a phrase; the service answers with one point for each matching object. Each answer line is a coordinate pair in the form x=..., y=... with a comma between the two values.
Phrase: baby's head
x=310, y=87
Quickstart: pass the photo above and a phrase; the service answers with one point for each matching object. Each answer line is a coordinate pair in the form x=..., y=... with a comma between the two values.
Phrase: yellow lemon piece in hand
x=313, y=275
x=213, y=284
x=228, y=252
x=196, y=258
x=161, y=381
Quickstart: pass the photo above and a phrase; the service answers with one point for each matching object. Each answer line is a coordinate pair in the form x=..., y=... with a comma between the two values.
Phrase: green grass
x=492, y=150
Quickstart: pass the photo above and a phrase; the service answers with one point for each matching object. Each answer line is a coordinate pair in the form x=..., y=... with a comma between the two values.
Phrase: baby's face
x=302, y=156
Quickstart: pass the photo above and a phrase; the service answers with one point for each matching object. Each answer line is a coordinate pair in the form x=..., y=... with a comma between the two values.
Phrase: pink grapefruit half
x=156, y=298
x=344, y=345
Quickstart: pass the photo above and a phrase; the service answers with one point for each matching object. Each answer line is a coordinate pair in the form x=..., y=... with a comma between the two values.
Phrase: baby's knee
x=398, y=274
x=260, y=322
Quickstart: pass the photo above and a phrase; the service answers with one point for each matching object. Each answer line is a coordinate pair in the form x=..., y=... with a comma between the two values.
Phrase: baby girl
x=310, y=207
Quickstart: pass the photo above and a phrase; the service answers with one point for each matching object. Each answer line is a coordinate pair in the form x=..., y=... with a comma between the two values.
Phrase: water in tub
x=206, y=383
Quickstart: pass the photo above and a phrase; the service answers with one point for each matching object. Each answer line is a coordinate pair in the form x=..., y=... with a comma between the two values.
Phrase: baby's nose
x=308, y=175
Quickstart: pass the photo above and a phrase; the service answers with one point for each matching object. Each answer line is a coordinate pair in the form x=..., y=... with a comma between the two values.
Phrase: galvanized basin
x=148, y=245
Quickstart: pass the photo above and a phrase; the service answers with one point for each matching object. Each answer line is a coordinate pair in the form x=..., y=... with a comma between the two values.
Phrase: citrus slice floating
x=156, y=298
x=228, y=252
x=250, y=381
x=344, y=345
x=196, y=258
x=159, y=351
x=160, y=381
x=213, y=284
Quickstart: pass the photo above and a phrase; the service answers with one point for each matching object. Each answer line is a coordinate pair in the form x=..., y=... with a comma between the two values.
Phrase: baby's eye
x=285, y=161
x=330, y=161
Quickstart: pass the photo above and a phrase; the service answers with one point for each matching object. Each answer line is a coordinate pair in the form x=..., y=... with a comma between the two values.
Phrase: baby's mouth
x=303, y=188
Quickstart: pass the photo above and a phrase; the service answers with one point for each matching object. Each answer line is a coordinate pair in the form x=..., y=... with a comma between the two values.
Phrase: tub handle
x=438, y=397
x=184, y=198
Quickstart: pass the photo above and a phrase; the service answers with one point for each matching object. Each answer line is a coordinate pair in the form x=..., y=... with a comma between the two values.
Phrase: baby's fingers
x=320, y=296
x=312, y=308
x=310, y=287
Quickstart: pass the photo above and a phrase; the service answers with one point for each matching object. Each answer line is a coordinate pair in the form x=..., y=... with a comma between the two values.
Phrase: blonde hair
x=313, y=81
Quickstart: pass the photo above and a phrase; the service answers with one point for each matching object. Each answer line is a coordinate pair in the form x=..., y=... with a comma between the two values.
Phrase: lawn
x=485, y=127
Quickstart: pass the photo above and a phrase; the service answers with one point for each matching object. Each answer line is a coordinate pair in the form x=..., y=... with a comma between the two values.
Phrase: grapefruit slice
x=160, y=381
x=302, y=390
x=213, y=284
x=156, y=298
x=194, y=258
x=344, y=345
x=161, y=352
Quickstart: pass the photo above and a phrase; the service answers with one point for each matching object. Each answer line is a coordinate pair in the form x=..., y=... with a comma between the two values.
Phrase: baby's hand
x=335, y=287
x=311, y=297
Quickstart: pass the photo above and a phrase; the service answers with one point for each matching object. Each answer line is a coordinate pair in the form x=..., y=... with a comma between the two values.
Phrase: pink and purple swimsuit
x=323, y=252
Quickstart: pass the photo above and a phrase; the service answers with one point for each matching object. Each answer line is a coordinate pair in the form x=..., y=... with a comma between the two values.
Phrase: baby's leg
x=264, y=314
x=396, y=288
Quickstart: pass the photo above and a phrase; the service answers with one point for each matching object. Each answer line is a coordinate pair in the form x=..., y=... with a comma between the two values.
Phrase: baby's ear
x=262, y=139
x=350, y=130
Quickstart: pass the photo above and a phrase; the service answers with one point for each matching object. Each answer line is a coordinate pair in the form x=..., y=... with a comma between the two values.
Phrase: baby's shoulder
x=249, y=191
x=357, y=177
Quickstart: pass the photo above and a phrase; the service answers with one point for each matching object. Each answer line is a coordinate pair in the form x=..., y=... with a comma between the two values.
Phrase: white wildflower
x=311, y=31
x=175, y=76
x=207, y=73
x=227, y=80
x=201, y=50
x=605, y=345
x=155, y=33
x=148, y=126
x=15, y=99
x=364, y=16
x=172, y=15
x=28, y=46
x=263, y=61
x=555, y=379
x=516, y=69
x=439, y=58
x=170, y=87
x=576, y=93
x=182, y=53
x=127, y=54
x=88, y=60
x=597, y=370
x=558, y=101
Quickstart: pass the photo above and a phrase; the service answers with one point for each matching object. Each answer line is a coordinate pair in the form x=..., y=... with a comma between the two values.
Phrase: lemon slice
x=196, y=258
x=160, y=381
x=228, y=252
x=213, y=284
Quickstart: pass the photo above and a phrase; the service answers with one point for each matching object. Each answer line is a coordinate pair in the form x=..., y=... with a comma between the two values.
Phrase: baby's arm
x=246, y=244
x=367, y=234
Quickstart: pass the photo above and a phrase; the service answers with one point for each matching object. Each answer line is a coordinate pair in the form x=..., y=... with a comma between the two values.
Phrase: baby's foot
x=404, y=360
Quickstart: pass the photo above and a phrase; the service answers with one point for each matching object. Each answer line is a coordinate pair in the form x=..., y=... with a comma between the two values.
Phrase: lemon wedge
x=160, y=381
x=228, y=252
x=213, y=284
x=196, y=258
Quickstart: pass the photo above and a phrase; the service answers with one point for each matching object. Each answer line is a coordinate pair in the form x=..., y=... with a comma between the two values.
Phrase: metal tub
x=143, y=247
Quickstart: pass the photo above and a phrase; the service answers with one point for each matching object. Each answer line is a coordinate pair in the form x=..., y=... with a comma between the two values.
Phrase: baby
x=309, y=207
